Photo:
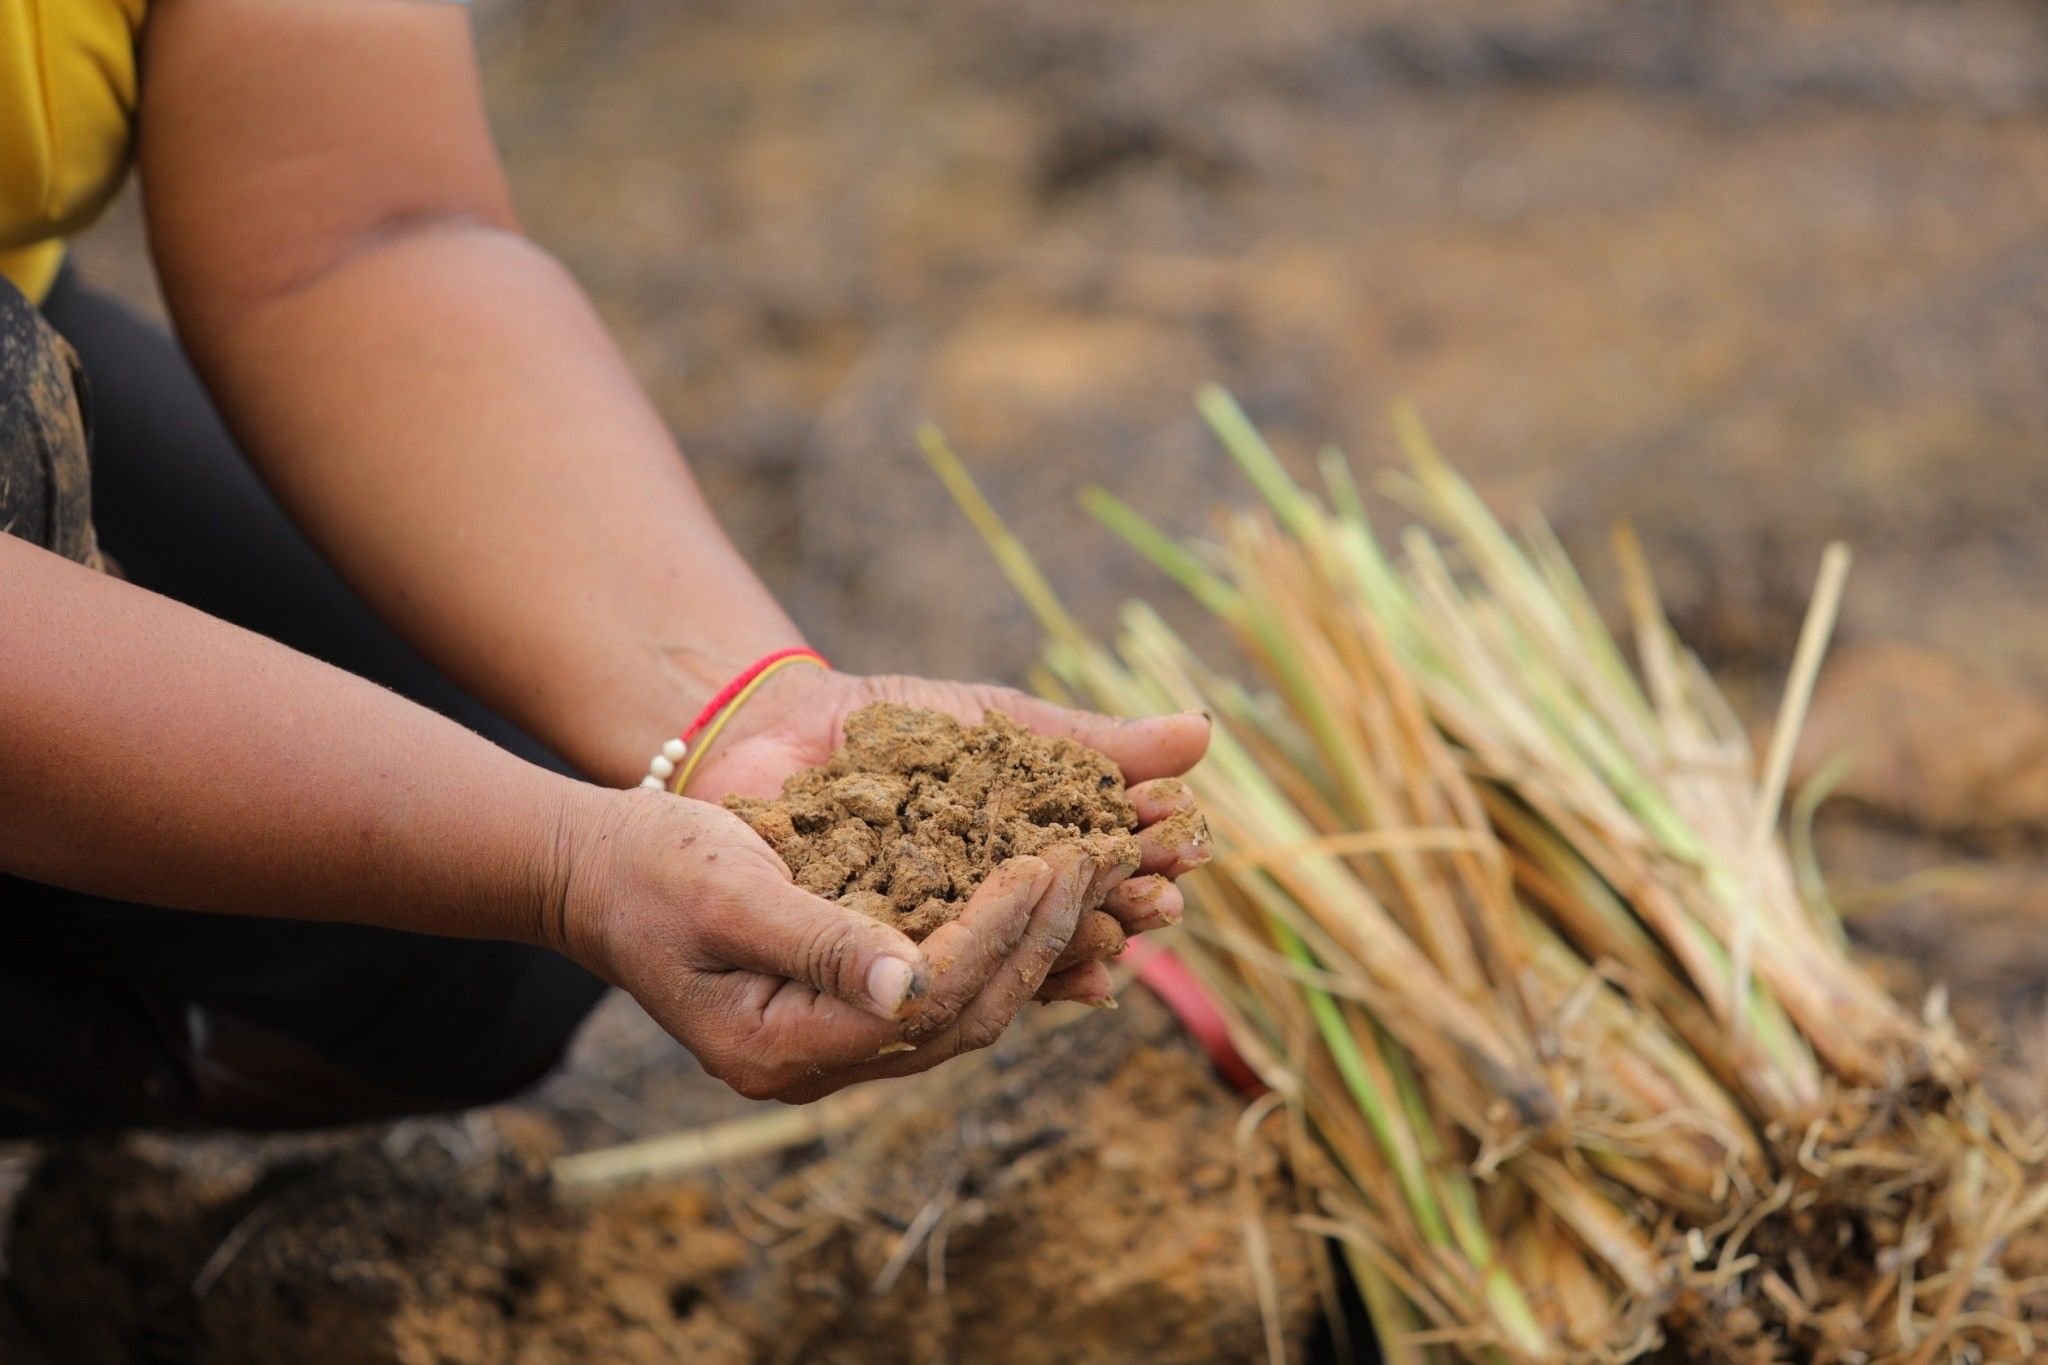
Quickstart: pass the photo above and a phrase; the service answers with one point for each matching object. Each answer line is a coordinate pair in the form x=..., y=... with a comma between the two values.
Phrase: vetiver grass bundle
x=1577, y=1062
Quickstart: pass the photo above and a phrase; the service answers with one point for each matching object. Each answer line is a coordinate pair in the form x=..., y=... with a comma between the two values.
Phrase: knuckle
x=755, y=1077
x=829, y=957
x=1040, y=954
x=1005, y=943
x=899, y=687
x=735, y=1073
x=918, y=1062
x=753, y=1061
x=980, y=1032
x=753, y=860
x=938, y=1014
x=756, y=1085
x=808, y=1091
x=717, y=919
x=720, y=912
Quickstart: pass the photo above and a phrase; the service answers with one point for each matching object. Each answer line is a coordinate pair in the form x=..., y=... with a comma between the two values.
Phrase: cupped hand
x=781, y=994
x=800, y=718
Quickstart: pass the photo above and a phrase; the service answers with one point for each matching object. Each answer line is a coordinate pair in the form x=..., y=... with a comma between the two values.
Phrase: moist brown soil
x=913, y=811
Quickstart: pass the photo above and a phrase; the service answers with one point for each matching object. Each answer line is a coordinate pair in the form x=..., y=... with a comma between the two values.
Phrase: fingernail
x=1107, y=1002
x=1158, y=919
x=889, y=984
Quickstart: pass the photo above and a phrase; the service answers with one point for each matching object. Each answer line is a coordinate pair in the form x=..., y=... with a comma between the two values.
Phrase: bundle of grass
x=1573, y=1049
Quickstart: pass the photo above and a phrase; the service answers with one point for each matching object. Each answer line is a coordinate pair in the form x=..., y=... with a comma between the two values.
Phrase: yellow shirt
x=67, y=110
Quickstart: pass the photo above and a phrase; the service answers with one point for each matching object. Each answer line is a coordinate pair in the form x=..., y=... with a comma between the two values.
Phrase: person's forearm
x=151, y=753
x=432, y=397
x=444, y=412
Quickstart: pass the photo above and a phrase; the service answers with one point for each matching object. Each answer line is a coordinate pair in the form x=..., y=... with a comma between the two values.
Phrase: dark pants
x=196, y=1019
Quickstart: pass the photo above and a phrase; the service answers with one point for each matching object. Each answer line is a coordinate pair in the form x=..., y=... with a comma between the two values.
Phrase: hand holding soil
x=803, y=717
x=915, y=810
x=1008, y=875
x=800, y=718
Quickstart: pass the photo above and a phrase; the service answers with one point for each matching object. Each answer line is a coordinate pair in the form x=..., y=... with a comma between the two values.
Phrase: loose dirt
x=1075, y=1196
x=914, y=810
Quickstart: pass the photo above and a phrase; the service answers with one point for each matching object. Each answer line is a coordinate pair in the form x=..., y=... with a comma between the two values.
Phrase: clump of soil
x=914, y=810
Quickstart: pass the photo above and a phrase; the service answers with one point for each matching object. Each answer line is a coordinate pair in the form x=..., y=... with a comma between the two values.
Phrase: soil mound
x=921, y=1235
x=915, y=809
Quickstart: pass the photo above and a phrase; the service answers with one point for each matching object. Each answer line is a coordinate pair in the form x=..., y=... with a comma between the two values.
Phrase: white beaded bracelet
x=662, y=766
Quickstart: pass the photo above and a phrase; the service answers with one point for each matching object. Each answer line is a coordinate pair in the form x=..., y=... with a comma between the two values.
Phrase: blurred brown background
x=1754, y=273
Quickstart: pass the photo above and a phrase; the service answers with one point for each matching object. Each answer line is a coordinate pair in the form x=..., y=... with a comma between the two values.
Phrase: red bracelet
x=670, y=768
x=730, y=692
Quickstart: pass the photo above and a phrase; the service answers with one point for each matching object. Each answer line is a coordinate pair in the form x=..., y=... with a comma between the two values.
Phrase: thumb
x=777, y=928
x=1147, y=748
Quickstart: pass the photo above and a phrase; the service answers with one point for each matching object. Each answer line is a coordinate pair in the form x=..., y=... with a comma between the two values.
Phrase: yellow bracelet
x=696, y=751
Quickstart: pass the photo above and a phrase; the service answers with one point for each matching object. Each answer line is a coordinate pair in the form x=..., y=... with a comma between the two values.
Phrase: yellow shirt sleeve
x=67, y=108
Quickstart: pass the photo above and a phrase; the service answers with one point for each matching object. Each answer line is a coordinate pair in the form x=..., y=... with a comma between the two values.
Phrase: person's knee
x=45, y=486
x=500, y=1018
x=425, y=1026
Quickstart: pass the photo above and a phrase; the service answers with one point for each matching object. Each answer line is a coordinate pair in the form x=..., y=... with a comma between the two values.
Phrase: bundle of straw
x=1579, y=1065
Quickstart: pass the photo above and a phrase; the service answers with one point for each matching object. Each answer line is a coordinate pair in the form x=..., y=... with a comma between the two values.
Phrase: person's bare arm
x=152, y=753
x=437, y=403
x=431, y=396
x=435, y=400
x=149, y=752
